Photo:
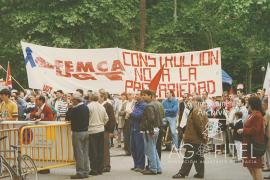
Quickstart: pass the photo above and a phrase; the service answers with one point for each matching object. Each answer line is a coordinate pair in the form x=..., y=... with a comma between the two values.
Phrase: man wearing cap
x=8, y=109
x=78, y=115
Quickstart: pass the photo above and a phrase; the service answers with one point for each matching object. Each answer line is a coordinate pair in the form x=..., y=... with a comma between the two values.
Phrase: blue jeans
x=172, y=124
x=151, y=151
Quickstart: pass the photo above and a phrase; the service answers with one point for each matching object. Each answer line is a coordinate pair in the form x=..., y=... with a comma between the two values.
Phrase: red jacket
x=46, y=114
x=253, y=127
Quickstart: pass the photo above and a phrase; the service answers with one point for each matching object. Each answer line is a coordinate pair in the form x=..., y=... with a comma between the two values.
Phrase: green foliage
x=239, y=27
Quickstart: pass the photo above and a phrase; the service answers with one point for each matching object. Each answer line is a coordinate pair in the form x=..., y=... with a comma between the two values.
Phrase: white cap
x=78, y=96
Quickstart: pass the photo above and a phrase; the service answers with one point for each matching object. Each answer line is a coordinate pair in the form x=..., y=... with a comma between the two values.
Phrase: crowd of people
x=135, y=122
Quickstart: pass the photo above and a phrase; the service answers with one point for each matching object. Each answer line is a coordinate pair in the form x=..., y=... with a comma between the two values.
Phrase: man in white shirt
x=97, y=120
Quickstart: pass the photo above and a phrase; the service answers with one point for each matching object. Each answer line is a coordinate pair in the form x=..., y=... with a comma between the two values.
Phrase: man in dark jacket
x=150, y=127
x=78, y=115
x=136, y=139
x=109, y=128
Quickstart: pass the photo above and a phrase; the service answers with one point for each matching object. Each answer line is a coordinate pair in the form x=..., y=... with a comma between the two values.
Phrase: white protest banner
x=266, y=84
x=119, y=70
x=187, y=72
x=70, y=69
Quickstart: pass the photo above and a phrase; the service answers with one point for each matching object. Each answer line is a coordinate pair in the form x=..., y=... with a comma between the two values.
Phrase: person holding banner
x=8, y=108
x=170, y=106
x=78, y=115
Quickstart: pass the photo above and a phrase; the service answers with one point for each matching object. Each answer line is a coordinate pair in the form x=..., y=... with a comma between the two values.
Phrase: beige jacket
x=97, y=118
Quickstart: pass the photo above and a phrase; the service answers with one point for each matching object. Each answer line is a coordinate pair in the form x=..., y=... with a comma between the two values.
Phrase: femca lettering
x=85, y=70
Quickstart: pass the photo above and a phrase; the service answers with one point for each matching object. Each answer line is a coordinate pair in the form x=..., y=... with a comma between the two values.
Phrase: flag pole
x=1, y=67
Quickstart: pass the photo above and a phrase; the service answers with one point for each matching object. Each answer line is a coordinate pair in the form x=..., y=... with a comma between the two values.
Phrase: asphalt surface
x=217, y=167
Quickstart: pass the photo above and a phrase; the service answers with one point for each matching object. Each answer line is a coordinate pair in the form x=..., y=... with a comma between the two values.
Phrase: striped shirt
x=61, y=108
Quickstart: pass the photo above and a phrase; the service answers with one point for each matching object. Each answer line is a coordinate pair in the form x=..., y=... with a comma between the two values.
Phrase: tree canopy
x=239, y=27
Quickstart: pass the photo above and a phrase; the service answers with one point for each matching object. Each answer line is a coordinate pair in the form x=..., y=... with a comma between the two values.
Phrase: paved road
x=217, y=168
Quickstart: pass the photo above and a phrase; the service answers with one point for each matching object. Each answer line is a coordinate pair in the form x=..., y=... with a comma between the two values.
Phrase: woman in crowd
x=253, y=129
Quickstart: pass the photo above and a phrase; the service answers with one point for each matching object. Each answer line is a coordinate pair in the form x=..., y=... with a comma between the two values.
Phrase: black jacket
x=151, y=118
x=110, y=125
x=236, y=136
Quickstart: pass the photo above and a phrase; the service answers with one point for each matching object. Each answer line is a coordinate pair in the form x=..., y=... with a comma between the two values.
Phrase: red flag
x=8, y=78
x=155, y=81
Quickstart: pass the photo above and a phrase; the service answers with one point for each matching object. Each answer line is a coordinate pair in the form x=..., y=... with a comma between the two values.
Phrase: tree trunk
x=143, y=23
x=175, y=11
x=250, y=65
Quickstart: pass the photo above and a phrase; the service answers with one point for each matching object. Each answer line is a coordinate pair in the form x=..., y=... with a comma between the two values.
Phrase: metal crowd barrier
x=47, y=143
x=12, y=139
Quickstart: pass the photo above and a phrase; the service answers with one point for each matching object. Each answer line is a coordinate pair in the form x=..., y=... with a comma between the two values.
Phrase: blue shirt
x=170, y=107
x=136, y=115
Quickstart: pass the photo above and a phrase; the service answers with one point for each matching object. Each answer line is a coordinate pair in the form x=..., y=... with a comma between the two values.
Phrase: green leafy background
x=240, y=27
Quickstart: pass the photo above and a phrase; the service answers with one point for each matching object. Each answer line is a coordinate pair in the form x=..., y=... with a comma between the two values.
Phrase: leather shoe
x=93, y=173
x=268, y=177
x=78, y=176
x=178, y=176
x=106, y=170
x=198, y=176
x=148, y=172
x=138, y=170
